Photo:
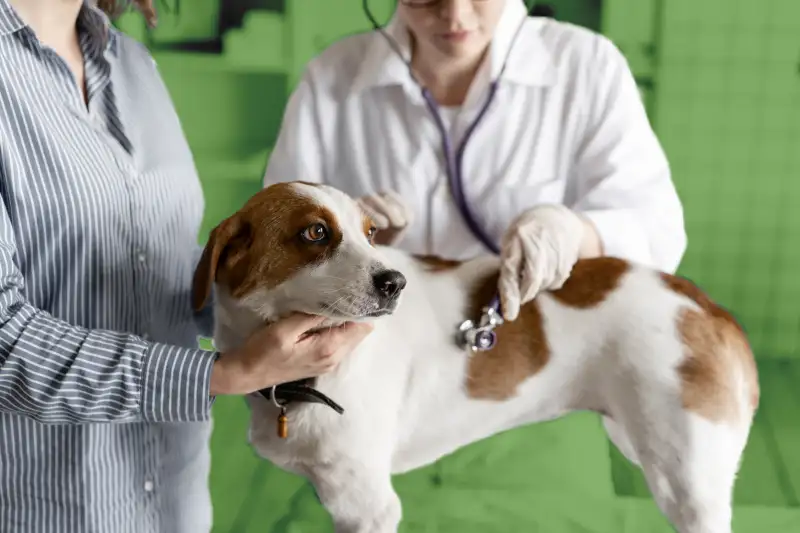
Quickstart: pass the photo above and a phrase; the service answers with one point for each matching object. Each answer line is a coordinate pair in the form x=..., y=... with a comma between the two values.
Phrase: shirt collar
x=10, y=22
x=528, y=60
x=91, y=19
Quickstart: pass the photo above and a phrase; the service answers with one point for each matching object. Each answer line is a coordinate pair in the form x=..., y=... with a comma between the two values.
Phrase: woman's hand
x=390, y=213
x=283, y=352
x=538, y=253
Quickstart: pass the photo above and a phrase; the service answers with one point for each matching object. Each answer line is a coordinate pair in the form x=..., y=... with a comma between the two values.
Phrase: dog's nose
x=389, y=283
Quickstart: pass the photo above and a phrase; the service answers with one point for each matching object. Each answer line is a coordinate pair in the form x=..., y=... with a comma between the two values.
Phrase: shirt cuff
x=175, y=384
x=621, y=235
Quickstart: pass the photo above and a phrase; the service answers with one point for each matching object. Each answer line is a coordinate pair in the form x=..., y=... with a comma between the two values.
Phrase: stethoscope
x=477, y=336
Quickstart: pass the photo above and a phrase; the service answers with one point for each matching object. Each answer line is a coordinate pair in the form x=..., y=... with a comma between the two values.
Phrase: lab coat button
x=148, y=486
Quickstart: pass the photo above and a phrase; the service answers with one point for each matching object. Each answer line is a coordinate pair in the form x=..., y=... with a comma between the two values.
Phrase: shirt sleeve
x=298, y=150
x=58, y=373
x=622, y=177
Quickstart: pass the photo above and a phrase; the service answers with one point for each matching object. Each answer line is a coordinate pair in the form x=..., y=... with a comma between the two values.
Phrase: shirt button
x=148, y=486
x=140, y=257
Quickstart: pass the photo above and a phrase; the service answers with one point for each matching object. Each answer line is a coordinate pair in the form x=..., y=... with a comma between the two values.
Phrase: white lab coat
x=567, y=126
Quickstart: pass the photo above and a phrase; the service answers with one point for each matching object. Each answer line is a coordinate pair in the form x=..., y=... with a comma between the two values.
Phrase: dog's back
x=612, y=330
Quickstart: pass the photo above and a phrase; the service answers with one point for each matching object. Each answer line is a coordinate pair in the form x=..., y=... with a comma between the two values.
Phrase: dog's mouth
x=343, y=314
x=334, y=323
x=337, y=311
x=380, y=312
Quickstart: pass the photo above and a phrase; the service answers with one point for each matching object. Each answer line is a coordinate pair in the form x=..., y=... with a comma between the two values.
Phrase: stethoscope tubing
x=453, y=161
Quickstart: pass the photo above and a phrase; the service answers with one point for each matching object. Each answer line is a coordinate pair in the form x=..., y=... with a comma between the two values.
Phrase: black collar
x=300, y=391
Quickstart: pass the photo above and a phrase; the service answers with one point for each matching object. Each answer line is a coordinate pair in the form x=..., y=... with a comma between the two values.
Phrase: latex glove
x=537, y=253
x=390, y=213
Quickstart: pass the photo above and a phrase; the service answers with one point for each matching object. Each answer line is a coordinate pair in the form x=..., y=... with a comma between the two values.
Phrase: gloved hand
x=537, y=253
x=391, y=215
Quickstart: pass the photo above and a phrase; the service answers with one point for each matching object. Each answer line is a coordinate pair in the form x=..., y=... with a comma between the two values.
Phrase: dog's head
x=298, y=247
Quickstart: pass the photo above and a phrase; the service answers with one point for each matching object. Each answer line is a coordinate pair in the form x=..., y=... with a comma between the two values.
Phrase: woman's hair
x=114, y=7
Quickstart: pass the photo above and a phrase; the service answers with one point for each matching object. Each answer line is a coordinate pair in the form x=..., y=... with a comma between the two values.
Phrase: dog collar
x=299, y=391
x=295, y=391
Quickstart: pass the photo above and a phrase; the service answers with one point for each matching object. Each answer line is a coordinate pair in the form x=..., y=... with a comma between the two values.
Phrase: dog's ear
x=231, y=231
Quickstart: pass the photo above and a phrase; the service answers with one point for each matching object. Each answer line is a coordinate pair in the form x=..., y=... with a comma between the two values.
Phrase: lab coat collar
x=386, y=61
x=529, y=60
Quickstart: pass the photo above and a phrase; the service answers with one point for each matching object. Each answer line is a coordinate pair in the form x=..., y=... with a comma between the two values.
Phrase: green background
x=721, y=80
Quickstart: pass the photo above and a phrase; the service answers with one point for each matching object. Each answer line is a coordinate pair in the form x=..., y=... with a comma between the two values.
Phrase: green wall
x=728, y=113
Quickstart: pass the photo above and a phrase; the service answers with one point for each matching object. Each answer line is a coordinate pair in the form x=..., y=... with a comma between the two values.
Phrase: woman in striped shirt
x=104, y=396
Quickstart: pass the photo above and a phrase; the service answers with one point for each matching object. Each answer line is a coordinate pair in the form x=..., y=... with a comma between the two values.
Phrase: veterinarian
x=104, y=398
x=561, y=162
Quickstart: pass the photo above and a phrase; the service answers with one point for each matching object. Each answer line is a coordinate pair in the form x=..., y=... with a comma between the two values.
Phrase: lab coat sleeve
x=59, y=373
x=623, y=182
x=298, y=150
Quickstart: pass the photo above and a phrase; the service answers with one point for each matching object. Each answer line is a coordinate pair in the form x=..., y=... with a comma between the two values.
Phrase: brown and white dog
x=670, y=372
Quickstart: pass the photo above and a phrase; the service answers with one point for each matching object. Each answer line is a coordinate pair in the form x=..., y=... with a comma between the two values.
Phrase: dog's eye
x=315, y=233
x=371, y=232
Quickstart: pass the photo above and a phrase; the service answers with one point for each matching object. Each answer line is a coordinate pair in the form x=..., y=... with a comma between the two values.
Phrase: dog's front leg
x=358, y=495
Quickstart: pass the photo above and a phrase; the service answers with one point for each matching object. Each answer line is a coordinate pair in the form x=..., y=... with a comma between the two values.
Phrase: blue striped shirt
x=104, y=403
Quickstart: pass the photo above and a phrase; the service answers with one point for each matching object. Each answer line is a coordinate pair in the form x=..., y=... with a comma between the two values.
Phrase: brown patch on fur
x=260, y=246
x=591, y=281
x=716, y=348
x=435, y=263
x=521, y=350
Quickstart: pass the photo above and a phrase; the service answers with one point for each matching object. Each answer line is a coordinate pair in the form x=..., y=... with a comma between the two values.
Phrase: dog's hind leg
x=690, y=465
x=358, y=494
x=617, y=435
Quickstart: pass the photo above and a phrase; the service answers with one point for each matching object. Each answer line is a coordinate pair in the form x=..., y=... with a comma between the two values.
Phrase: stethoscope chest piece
x=479, y=337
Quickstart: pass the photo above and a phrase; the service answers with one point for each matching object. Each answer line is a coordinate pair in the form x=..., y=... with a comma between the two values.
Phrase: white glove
x=538, y=252
x=390, y=213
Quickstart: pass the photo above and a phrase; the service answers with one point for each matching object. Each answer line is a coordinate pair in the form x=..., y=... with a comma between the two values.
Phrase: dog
x=671, y=373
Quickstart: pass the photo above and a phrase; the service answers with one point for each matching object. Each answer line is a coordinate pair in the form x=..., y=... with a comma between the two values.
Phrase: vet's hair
x=115, y=7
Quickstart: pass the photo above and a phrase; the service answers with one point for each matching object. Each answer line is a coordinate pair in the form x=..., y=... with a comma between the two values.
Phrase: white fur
x=405, y=401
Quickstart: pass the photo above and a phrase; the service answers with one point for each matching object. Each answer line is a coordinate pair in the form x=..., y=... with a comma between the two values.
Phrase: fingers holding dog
x=390, y=213
x=285, y=351
x=334, y=344
x=538, y=253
